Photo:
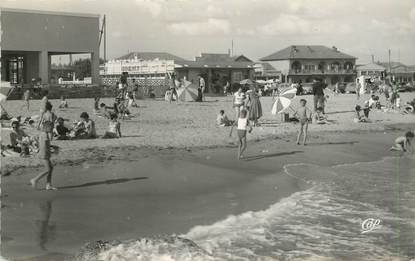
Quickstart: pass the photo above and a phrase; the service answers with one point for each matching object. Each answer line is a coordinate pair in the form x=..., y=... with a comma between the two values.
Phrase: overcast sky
x=258, y=27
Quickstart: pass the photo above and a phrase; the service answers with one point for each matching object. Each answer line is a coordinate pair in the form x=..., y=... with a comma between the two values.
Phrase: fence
x=158, y=85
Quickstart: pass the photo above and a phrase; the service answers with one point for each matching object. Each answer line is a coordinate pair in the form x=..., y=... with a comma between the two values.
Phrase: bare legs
x=242, y=147
x=303, y=130
x=47, y=173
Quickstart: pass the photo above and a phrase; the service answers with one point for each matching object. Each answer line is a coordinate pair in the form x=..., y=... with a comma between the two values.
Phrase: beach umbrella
x=283, y=101
x=246, y=81
x=188, y=92
x=261, y=82
x=5, y=89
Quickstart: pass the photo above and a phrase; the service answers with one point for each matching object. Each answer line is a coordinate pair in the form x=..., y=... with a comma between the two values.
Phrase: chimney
x=373, y=58
x=229, y=51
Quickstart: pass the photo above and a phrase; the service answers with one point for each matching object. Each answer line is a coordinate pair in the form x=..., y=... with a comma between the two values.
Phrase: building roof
x=222, y=64
x=397, y=67
x=241, y=58
x=267, y=67
x=150, y=56
x=392, y=64
x=217, y=60
x=370, y=67
x=15, y=10
x=307, y=52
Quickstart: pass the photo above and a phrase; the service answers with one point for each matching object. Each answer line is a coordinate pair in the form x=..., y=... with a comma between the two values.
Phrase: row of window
x=322, y=66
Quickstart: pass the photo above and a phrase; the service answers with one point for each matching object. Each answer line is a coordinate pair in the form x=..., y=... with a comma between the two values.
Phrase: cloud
x=285, y=24
x=211, y=26
x=155, y=7
x=288, y=24
x=412, y=16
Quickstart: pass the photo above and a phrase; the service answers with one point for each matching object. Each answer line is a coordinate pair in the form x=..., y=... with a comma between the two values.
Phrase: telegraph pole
x=390, y=68
x=105, y=39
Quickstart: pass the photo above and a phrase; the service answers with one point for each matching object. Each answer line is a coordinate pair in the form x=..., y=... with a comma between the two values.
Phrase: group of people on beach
x=50, y=127
x=245, y=102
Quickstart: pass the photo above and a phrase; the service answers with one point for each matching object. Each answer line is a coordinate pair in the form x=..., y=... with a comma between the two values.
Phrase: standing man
x=226, y=87
x=26, y=99
x=202, y=86
x=318, y=92
x=358, y=88
x=123, y=81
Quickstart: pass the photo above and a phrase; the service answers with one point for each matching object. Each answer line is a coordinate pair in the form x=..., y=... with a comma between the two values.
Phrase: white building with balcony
x=307, y=62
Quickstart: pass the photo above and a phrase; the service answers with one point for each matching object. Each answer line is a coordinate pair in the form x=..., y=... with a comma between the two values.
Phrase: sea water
x=323, y=222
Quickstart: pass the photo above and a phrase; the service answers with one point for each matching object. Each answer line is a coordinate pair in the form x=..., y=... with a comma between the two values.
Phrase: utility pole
x=232, y=47
x=390, y=68
x=105, y=39
x=103, y=31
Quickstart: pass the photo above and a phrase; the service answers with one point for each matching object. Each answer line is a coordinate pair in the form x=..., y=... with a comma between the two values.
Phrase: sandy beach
x=161, y=125
x=174, y=171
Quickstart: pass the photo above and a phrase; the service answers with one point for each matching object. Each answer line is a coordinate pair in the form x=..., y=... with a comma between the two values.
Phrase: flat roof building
x=29, y=39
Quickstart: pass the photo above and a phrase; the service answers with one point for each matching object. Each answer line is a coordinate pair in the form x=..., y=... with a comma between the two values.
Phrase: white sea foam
x=320, y=223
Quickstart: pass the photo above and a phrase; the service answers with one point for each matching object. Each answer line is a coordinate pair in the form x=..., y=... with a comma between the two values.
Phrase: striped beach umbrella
x=283, y=101
x=188, y=92
x=246, y=82
x=5, y=89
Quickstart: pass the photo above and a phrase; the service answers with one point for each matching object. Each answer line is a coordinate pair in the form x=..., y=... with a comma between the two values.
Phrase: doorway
x=15, y=69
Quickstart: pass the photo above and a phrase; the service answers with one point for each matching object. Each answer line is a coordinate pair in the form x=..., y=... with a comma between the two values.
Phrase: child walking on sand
x=242, y=127
x=304, y=116
x=403, y=143
x=44, y=156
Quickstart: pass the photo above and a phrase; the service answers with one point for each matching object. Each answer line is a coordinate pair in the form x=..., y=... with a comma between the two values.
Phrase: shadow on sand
x=333, y=143
x=105, y=182
x=272, y=155
x=337, y=112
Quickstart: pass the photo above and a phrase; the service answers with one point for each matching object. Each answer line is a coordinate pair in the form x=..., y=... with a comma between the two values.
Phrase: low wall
x=90, y=91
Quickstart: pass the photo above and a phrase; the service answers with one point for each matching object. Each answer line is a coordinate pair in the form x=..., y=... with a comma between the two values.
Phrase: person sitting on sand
x=85, y=128
x=121, y=109
x=319, y=117
x=359, y=117
x=222, y=120
x=103, y=111
x=403, y=143
x=64, y=103
x=17, y=136
x=410, y=107
x=96, y=104
x=304, y=116
x=372, y=101
x=60, y=131
x=242, y=127
x=114, y=128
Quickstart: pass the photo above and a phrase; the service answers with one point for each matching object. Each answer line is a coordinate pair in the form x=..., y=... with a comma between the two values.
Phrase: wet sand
x=165, y=192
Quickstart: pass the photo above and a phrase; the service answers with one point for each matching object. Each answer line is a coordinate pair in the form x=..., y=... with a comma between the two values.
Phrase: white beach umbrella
x=283, y=101
x=261, y=81
x=5, y=89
